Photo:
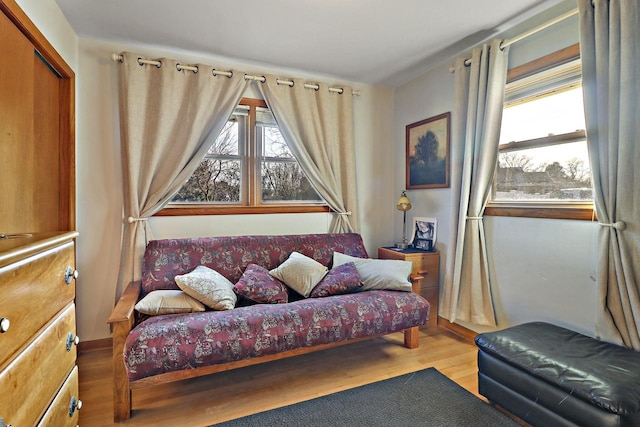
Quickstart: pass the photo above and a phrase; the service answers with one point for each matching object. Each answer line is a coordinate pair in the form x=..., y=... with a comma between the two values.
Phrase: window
x=217, y=179
x=543, y=161
x=248, y=169
x=281, y=177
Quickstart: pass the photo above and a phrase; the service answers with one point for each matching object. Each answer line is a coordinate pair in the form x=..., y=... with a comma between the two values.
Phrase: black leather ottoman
x=551, y=376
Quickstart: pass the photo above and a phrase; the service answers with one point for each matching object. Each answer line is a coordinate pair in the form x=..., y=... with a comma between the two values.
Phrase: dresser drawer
x=30, y=382
x=63, y=412
x=426, y=265
x=32, y=291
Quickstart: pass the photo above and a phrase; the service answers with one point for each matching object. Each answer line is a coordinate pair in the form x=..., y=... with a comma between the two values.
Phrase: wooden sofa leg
x=121, y=405
x=122, y=320
x=411, y=339
x=121, y=388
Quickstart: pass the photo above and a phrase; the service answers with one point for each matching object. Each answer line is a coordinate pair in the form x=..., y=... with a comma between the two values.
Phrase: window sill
x=240, y=210
x=582, y=211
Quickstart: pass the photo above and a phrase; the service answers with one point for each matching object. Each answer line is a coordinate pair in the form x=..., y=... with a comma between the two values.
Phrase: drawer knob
x=70, y=274
x=2, y=424
x=72, y=340
x=4, y=325
x=74, y=404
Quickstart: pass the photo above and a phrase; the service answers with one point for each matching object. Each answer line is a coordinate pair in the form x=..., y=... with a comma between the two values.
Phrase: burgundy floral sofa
x=170, y=347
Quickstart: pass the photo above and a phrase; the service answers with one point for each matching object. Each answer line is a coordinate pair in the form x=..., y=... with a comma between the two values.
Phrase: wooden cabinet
x=38, y=373
x=37, y=324
x=425, y=264
x=63, y=412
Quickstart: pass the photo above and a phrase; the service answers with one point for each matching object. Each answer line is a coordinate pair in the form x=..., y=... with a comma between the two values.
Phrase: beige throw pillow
x=300, y=273
x=168, y=302
x=389, y=274
x=209, y=287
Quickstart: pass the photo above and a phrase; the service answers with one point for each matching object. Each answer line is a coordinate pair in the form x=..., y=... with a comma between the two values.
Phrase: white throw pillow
x=209, y=287
x=168, y=302
x=390, y=274
x=300, y=273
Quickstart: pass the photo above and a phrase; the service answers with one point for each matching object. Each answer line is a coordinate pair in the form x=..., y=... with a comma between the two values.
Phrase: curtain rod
x=119, y=58
x=528, y=33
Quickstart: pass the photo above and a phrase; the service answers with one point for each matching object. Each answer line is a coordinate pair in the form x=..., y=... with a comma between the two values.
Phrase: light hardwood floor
x=227, y=395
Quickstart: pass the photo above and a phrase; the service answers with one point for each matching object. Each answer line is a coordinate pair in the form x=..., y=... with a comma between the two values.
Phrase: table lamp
x=404, y=204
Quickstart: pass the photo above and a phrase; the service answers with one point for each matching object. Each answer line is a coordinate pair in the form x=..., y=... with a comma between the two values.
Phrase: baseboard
x=461, y=331
x=101, y=344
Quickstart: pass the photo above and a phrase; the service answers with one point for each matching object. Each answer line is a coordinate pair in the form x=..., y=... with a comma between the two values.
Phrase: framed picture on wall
x=423, y=234
x=427, y=153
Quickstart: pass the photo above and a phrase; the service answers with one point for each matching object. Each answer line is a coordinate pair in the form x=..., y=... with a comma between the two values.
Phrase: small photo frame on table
x=427, y=154
x=423, y=234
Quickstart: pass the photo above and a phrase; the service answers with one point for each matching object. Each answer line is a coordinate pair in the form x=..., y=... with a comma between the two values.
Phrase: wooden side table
x=426, y=264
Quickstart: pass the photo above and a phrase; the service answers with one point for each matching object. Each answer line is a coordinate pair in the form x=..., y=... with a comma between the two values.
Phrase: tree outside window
x=553, y=163
x=249, y=164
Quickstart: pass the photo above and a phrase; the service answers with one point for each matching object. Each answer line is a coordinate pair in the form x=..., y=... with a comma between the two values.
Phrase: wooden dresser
x=38, y=373
x=425, y=264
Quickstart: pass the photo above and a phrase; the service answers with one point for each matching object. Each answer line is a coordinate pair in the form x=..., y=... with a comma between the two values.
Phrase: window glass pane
x=224, y=176
x=550, y=173
x=285, y=181
x=227, y=141
x=214, y=180
x=560, y=113
x=273, y=144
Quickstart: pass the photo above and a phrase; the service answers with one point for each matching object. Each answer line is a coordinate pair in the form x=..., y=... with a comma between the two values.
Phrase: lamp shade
x=404, y=204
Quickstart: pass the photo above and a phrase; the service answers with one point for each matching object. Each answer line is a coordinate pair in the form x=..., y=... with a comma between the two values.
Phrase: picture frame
x=427, y=152
x=424, y=233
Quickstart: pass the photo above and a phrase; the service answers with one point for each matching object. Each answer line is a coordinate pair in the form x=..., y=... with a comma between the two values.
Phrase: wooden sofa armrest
x=122, y=320
x=123, y=310
x=415, y=282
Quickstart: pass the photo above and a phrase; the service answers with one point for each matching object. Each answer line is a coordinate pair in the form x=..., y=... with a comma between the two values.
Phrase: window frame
x=555, y=210
x=250, y=187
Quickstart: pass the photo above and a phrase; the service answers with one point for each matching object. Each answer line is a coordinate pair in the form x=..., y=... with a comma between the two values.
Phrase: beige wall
x=46, y=15
x=541, y=268
x=99, y=195
x=99, y=182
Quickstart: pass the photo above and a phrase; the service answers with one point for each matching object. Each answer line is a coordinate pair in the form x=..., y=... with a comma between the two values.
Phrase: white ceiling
x=385, y=42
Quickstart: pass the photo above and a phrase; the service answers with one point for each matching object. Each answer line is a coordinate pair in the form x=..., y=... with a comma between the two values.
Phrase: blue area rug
x=423, y=398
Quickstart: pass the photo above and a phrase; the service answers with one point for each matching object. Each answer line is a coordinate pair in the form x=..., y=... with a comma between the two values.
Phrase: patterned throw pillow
x=259, y=286
x=300, y=273
x=389, y=274
x=209, y=287
x=168, y=302
x=343, y=279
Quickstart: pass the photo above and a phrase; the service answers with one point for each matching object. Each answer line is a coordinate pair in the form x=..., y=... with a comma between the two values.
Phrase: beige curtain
x=458, y=126
x=169, y=118
x=467, y=287
x=318, y=126
x=610, y=52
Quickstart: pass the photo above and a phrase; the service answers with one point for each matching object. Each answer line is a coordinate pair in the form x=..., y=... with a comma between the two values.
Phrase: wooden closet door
x=16, y=125
x=47, y=165
x=30, y=179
